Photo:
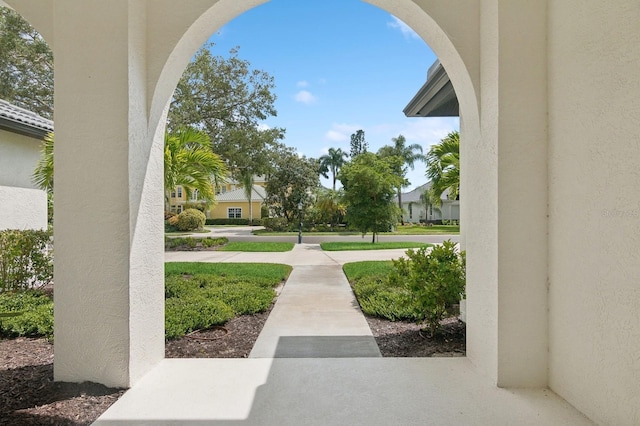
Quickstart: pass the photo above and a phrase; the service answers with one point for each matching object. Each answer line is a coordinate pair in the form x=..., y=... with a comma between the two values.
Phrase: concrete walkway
x=315, y=363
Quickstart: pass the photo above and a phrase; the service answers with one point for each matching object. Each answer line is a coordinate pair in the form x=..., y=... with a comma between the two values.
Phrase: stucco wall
x=594, y=229
x=219, y=211
x=18, y=158
x=23, y=206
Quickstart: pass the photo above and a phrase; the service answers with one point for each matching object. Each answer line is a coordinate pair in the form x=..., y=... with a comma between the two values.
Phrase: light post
x=300, y=224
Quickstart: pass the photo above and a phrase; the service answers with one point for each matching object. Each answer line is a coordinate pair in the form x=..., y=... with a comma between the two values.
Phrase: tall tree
x=443, y=168
x=330, y=206
x=408, y=155
x=249, y=152
x=190, y=163
x=291, y=181
x=370, y=185
x=358, y=144
x=26, y=65
x=218, y=94
x=332, y=161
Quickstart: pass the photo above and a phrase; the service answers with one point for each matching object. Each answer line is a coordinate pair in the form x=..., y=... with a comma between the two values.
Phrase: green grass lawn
x=257, y=246
x=385, y=245
x=272, y=271
x=368, y=268
x=400, y=230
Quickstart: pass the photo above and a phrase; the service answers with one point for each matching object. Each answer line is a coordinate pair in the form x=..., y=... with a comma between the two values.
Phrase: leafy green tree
x=369, y=186
x=249, y=153
x=408, y=155
x=26, y=65
x=330, y=206
x=291, y=181
x=218, y=94
x=358, y=144
x=190, y=163
x=443, y=168
x=332, y=162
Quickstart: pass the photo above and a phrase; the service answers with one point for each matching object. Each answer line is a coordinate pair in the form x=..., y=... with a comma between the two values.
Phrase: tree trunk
x=400, y=205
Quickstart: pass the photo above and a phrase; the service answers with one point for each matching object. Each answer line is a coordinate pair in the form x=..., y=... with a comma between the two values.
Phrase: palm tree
x=247, y=180
x=407, y=156
x=332, y=161
x=43, y=174
x=443, y=168
x=190, y=163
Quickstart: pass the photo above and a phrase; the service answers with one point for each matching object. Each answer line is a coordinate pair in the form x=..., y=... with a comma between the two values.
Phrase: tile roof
x=258, y=194
x=23, y=121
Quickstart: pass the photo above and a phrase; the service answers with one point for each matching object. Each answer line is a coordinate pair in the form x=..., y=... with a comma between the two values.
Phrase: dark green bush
x=435, y=278
x=25, y=261
x=190, y=220
x=276, y=224
x=192, y=243
x=225, y=221
x=34, y=314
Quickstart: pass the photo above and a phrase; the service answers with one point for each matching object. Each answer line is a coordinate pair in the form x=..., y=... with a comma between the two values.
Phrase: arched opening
x=207, y=31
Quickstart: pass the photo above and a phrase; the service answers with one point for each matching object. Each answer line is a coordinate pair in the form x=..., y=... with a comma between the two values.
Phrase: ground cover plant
x=26, y=313
x=201, y=295
x=385, y=245
x=190, y=243
x=257, y=246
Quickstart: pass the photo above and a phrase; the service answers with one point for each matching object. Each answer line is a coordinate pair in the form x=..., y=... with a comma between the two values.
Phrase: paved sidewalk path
x=316, y=316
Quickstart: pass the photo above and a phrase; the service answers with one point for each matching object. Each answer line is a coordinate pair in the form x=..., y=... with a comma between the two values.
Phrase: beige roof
x=258, y=194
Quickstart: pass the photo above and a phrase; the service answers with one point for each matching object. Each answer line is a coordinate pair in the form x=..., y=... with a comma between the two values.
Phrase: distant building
x=231, y=200
x=416, y=210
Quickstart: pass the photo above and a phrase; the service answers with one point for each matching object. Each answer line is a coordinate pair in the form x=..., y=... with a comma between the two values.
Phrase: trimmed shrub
x=276, y=224
x=28, y=313
x=191, y=220
x=25, y=261
x=226, y=221
x=435, y=278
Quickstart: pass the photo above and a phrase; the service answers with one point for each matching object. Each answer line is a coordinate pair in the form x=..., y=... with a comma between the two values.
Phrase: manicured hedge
x=224, y=221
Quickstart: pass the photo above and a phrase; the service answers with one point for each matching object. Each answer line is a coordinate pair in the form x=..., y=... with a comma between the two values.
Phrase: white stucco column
x=507, y=310
x=109, y=299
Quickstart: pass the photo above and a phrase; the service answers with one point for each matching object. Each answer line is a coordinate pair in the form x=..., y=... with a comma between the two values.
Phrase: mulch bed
x=28, y=395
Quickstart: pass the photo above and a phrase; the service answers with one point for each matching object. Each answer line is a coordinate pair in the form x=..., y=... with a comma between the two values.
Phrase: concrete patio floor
x=313, y=364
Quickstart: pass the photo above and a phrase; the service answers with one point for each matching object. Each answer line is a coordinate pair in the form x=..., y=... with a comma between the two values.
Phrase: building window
x=194, y=195
x=234, y=213
x=179, y=209
x=179, y=192
x=410, y=210
x=173, y=209
x=173, y=194
x=224, y=189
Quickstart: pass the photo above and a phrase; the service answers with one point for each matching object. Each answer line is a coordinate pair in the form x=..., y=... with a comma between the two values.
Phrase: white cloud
x=305, y=97
x=263, y=126
x=406, y=30
x=302, y=83
x=341, y=132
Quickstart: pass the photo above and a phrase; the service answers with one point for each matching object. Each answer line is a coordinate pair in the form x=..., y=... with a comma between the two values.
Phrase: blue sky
x=339, y=66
